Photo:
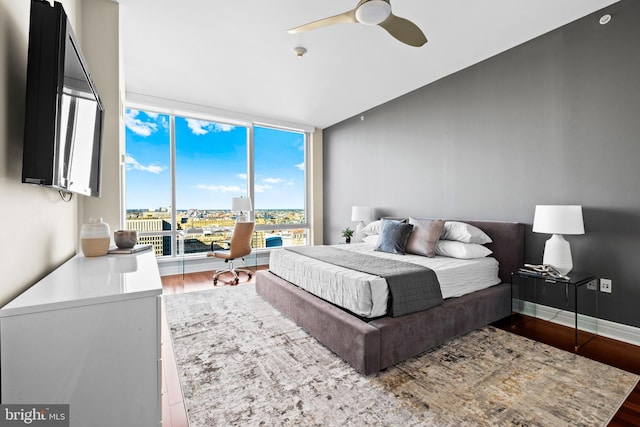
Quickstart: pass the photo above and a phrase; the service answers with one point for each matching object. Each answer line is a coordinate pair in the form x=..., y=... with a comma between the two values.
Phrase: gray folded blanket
x=412, y=287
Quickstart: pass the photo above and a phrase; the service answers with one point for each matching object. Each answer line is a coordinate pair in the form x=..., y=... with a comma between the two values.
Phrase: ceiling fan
x=373, y=12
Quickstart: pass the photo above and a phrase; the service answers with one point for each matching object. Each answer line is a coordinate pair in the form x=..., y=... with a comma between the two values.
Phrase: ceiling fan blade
x=344, y=18
x=404, y=30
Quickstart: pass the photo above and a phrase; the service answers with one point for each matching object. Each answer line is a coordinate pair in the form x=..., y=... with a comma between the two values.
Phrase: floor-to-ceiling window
x=279, y=186
x=149, y=177
x=182, y=173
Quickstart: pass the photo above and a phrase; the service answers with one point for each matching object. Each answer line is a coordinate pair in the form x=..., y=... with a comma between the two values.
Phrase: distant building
x=213, y=229
x=161, y=244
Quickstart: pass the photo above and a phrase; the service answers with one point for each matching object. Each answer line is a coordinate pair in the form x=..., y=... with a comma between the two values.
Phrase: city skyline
x=211, y=164
x=168, y=209
x=206, y=232
x=210, y=216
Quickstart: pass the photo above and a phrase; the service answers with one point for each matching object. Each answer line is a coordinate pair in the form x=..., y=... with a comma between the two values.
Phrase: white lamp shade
x=240, y=204
x=361, y=213
x=558, y=219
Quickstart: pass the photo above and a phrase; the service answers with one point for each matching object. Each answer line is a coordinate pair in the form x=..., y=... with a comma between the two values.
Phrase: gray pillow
x=393, y=236
x=424, y=236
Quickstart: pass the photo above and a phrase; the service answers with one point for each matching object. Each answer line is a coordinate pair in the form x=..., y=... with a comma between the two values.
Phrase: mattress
x=365, y=294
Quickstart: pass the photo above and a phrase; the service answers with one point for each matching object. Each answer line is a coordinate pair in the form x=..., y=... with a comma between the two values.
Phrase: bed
x=372, y=344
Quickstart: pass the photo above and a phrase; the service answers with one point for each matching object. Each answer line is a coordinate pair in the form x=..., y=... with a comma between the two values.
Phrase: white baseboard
x=605, y=328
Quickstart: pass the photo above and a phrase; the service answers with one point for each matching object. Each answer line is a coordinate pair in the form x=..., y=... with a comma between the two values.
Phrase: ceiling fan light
x=373, y=12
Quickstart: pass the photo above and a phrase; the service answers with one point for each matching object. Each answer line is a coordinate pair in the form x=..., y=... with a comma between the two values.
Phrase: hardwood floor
x=615, y=353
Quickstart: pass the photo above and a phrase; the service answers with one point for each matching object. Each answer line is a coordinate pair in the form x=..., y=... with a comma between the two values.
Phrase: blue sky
x=211, y=164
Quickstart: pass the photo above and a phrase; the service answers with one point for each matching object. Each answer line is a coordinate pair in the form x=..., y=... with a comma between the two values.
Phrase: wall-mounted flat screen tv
x=64, y=114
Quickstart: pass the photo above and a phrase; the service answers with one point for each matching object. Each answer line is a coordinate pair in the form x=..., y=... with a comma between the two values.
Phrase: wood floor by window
x=615, y=353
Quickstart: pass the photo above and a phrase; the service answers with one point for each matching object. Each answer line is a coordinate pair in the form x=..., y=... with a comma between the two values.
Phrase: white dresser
x=87, y=335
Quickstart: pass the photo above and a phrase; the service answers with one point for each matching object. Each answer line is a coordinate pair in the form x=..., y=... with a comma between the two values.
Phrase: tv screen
x=64, y=115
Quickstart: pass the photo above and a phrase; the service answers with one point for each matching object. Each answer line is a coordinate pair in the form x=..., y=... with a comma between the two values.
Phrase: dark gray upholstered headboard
x=507, y=246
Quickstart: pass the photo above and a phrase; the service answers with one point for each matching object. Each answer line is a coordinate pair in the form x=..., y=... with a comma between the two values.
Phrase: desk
x=576, y=290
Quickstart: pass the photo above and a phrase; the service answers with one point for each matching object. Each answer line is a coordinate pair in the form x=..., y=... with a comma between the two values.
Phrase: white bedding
x=365, y=294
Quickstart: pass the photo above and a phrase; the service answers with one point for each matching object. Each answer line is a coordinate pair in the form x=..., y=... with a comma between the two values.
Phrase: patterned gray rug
x=243, y=363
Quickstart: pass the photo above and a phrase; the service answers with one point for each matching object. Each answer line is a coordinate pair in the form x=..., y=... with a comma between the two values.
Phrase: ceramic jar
x=95, y=238
x=125, y=239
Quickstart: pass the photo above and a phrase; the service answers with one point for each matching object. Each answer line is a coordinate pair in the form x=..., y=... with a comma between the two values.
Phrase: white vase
x=95, y=238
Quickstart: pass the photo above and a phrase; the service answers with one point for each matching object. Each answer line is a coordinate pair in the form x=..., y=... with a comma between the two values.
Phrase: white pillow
x=461, y=250
x=372, y=239
x=374, y=227
x=371, y=228
x=465, y=233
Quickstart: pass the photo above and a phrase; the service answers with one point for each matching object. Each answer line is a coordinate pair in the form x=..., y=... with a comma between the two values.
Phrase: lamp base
x=557, y=253
x=243, y=217
x=358, y=234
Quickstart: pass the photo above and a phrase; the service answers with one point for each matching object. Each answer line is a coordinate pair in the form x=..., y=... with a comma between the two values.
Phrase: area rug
x=242, y=363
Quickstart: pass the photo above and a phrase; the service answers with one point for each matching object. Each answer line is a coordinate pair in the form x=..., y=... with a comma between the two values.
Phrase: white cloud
x=258, y=188
x=222, y=188
x=223, y=127
x=242, y=176
x=203, y=127
x=300, y=166
x=137, y=126
x=273, y=180
x=281, y=181
x=133, y=164
x=198, y=127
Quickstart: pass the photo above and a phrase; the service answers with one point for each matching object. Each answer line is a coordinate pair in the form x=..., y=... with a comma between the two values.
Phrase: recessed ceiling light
x=605, y=19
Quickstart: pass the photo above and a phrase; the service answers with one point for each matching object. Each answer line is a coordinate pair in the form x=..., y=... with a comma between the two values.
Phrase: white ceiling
x=236, y=55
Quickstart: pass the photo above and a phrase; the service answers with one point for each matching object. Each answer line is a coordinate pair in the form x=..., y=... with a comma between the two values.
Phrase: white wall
x=101, y=48
x=40, y=231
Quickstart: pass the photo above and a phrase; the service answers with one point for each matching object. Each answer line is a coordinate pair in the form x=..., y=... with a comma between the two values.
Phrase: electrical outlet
x=605, y=285
x=592, y=285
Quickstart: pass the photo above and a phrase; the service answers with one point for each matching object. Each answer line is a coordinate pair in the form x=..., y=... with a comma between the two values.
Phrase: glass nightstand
x=539, y=296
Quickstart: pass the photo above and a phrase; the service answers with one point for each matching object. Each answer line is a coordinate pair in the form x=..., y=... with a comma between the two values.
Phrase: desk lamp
x=243, y=206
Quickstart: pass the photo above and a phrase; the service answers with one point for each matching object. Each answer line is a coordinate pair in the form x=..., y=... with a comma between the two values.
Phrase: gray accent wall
x=553, y=121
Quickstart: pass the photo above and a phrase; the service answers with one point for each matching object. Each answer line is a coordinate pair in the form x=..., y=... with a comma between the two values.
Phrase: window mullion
x=250, y=170
x=174, y=209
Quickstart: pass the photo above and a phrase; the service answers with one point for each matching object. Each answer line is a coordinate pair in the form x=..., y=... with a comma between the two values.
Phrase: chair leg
x=242, y=270
x=234, y=272
x=218, y=273
x=236, y=276
x=215, y=276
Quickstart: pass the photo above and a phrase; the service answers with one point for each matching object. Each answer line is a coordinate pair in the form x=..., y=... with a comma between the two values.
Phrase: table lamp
x=360, y=214
x=558, y=220
x=242, y=205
